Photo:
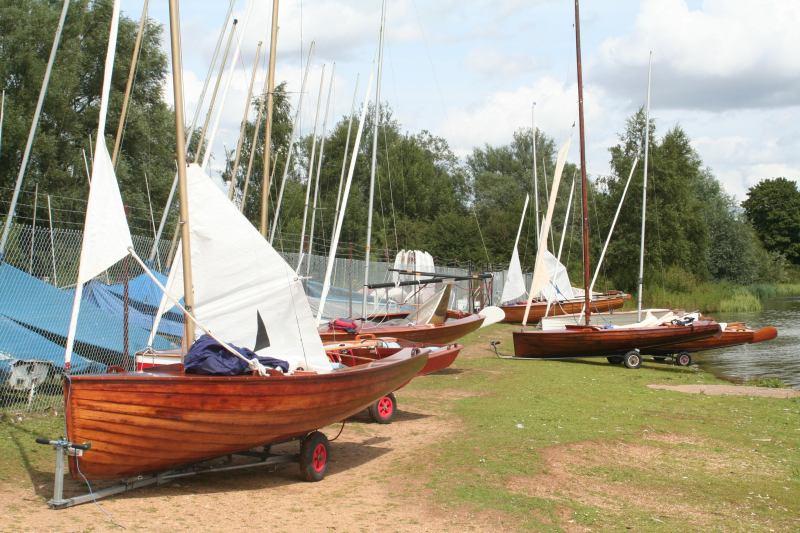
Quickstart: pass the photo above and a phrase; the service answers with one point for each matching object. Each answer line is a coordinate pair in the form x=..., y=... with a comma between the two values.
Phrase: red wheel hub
x=385, y=407
x=319, y=457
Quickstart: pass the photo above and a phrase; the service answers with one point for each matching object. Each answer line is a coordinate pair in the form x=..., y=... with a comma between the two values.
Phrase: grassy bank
x=718, y=297
x=551, y=444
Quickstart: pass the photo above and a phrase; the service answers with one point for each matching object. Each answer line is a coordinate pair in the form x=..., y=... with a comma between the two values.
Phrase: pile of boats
x=163, y=421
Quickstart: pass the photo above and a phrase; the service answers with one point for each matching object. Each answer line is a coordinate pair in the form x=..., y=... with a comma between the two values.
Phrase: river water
x=778, y=358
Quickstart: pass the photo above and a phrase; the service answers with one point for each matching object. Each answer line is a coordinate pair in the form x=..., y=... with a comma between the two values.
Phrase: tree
x=70, y=113
x=773, y=207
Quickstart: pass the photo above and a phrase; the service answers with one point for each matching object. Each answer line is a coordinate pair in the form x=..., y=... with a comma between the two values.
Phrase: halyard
x=487, y=444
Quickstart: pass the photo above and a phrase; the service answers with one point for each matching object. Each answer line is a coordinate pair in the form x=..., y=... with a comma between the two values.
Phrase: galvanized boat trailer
x=312, y=458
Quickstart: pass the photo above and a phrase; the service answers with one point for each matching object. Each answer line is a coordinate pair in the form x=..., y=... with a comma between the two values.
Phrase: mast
x=584, y=180
x=137, y=46
x=374, y=165
x=32, y=132
x=535, y=176
x=310, y=172
x=346, y=145
x=197, y=108
x=319, y=168
x=265, y=182
x=199, y=147
x=644, y=188
x=295, y=127
x=235, y=169
x=180, y=155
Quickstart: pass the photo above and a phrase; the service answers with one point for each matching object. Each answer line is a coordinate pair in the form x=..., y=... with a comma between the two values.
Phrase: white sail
x=559, y=287
x=434, y=309
x=106, y=237
x=540, y=277
x=515, y=281
x=244, y=291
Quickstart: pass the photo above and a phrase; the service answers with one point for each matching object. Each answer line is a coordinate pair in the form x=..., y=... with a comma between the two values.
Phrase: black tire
x=314, y=456
x=659, y=359
x=384, y=409
x=632, y=359
x=683, y=359
x=614, y=359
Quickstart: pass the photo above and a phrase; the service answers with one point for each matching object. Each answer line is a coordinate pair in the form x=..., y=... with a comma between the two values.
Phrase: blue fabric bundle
x=208, y=357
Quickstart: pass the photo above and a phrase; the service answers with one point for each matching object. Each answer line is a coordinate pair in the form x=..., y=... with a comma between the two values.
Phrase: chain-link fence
x=37, y=284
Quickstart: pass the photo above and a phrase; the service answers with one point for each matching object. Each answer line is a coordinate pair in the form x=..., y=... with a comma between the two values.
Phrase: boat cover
x=207, y=356
x=45, y=309
x=19, y=344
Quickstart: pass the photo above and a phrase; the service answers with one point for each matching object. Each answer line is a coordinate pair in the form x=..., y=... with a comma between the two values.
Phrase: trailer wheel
x=632, y=359
x=683, y=359
x=614, y=359
x=314, y=455
x=383, y=410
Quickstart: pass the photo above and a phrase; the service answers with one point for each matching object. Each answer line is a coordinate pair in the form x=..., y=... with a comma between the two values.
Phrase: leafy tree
x=70, y=113
x=773, y=207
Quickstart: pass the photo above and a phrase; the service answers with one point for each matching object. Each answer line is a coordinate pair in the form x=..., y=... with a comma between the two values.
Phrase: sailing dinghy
x=139, y=425
x=589, y=340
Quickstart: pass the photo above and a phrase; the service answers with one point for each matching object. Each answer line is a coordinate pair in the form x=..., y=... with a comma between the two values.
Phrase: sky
x=726, y=71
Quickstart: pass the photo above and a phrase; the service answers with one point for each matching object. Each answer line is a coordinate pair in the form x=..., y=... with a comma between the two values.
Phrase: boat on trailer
x=148, y=427
x=361, y=350
x=618, y=344
x=601, y=303
x=732, y=334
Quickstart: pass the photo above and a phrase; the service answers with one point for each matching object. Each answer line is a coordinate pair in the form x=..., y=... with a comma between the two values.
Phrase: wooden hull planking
x=151, y=422
x=590, y=342
x=728, y=338
x=446, y=333
x=437, y=360
x=516, y=312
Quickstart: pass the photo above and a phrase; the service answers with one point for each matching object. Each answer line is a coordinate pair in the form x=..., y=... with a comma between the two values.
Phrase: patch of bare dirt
x=373, y=483
x=604, y=474
x=729, y=390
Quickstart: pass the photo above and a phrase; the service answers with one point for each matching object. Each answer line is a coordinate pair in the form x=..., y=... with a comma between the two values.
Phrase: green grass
x=709, y=462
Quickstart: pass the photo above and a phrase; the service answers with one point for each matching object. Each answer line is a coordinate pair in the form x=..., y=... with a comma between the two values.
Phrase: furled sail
x=244, y=291
x=434, y=309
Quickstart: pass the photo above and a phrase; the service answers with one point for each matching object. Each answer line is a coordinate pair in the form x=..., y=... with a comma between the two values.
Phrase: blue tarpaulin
x=140, y=314
x=46, y=310
x=18, y=343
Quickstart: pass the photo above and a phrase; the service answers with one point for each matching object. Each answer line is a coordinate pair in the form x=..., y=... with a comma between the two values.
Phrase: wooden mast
x=265, y=182
x=180, y=155
x=584, y=180
x=137, y=46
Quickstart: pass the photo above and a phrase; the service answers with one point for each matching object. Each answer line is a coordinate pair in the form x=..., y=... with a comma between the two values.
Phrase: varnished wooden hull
x=587, y=342
x=728, y=338
x=450, y=331
x=438, y=360
x=516, y=312
x=140, y=423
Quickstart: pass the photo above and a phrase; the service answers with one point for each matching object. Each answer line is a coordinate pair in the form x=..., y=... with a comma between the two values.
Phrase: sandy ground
x=729, y=390
x=368, y=488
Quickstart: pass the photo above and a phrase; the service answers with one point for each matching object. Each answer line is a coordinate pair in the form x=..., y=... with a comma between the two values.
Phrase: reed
x=719, y=297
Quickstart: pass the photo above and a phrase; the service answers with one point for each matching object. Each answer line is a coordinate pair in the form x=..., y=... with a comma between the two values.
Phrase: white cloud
x=725, y=54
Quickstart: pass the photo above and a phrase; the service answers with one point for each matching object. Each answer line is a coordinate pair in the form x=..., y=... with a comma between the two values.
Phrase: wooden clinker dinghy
x=140, y=423
x=594, y=341
x=599, y=304
x=444, y=333
x=735, y=333
x=356, y=352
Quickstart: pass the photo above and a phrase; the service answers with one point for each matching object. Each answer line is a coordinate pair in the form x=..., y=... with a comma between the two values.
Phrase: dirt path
x=729, y=390
x=372, y=485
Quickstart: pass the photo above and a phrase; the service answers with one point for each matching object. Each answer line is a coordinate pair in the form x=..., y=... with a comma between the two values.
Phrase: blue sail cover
x=45, y=310
x=18, y=343
x=140, y=314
